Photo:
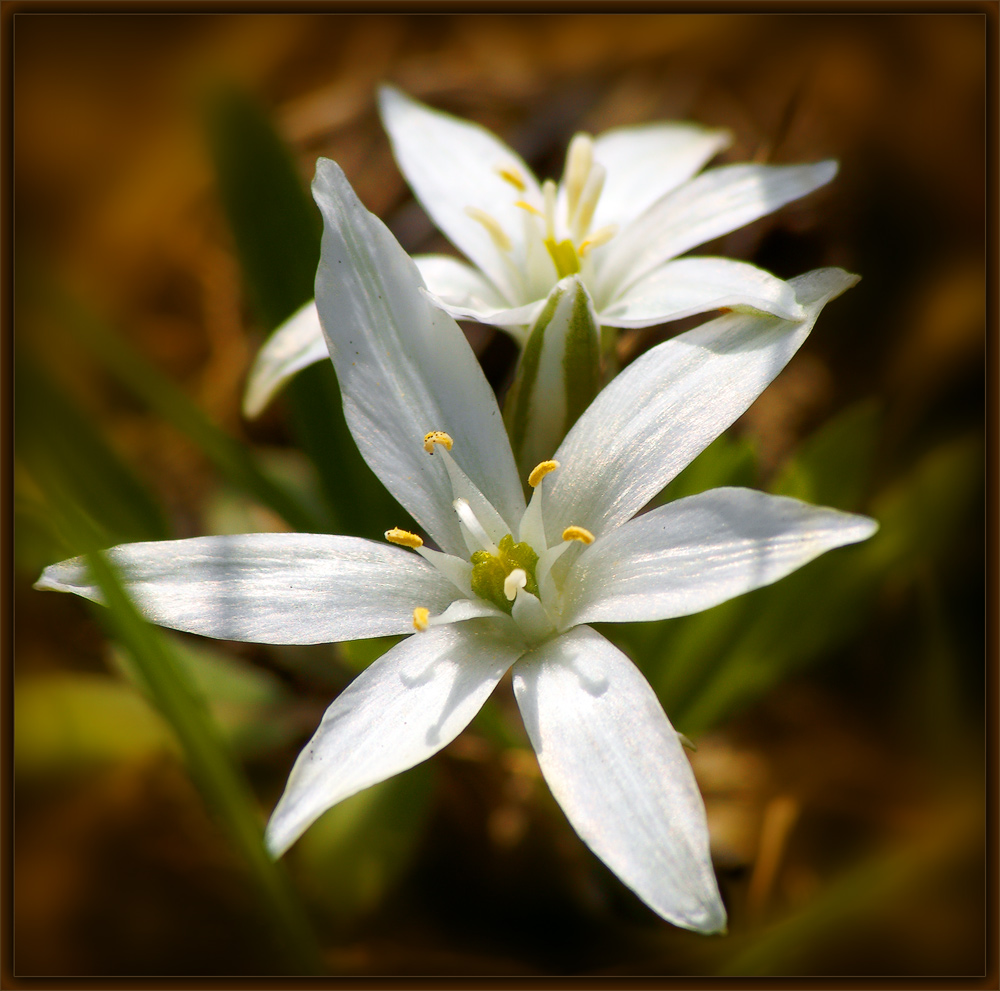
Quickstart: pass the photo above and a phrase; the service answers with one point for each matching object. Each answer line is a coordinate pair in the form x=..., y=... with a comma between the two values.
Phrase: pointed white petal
x=454, y=283
x=406, y=706
x=647, y=161
x=697, y=552
x=405, y=368
x=617, y=768
x=713, y=203
x=295, y=345
x=452, y=164
x=293, y=588
x=688, y=286
x=515, y=320
x=669, y=404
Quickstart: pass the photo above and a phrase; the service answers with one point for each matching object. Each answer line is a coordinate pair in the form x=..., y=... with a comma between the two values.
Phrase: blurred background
x=163, y=229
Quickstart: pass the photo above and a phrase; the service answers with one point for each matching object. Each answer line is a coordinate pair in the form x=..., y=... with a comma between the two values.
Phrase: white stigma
x=518, y=578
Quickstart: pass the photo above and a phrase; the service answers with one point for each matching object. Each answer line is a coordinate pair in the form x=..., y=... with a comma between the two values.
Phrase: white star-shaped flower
x=513, y=584
x=626, y=208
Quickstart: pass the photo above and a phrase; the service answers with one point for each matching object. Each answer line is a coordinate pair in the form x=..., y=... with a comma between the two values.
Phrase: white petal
x=617, y=768
x=295, y=345
x=406, y=706
x=697, y=552
x=669, y=404
x=453, y=283
x=452, y=164
x=688, y=286
x=293, y=588
x=405, y=368
x=713, y=203
x=647, y=161
x=515, y=320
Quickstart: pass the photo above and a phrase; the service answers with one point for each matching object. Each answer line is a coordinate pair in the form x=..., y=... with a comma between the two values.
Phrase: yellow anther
x=437, y=437
x=540, y=471
x=420, y=617
x=403, y=537
x=509, y=174
x=524, y=205
x=578, y=533
x=497, y=234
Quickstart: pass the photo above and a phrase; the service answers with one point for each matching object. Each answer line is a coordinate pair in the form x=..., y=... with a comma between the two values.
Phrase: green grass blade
x=158, y=393
x=48, y=425
x=213, y=770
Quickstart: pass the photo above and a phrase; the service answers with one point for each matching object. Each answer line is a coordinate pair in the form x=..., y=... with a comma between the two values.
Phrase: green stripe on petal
x=557, y=376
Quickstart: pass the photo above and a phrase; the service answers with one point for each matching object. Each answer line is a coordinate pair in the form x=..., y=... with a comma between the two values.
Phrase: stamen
x=543, y=570
x=403, y=537
x=579, y=159
x=540, y=471
x=457, y=571
x=518, y=578
x=497, y=234
x=578, y=533
x=462, y=487
x=437, y=437
x=588, y=200
x=549, y=200
x=531, y=617
x=510, y=174
x=472, y=524
x=524, y=205
x=420, y=617
x=601, y=236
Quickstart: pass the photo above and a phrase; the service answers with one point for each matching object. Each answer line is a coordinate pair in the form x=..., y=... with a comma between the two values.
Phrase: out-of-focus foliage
x=837, y=714
x=66, y=720
x=276, y=229
x=249, y=705
x=346, y=863
x=706, y=666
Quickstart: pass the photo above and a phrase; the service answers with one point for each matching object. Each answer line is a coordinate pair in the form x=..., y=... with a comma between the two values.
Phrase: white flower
x=512, y=584
x=626, y=207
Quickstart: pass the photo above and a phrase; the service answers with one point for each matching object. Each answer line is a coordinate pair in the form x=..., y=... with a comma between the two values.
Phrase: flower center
x=510, y=575
x=560, y=223
x=497, y=577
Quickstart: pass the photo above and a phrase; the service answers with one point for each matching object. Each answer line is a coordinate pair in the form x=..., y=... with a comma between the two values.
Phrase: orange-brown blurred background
x=846, y=801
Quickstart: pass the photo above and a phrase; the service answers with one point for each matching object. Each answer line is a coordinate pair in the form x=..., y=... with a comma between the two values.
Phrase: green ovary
x=489, y=572
x=564, y=257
